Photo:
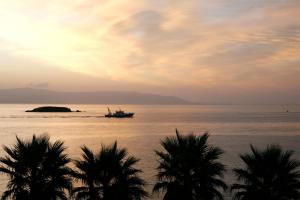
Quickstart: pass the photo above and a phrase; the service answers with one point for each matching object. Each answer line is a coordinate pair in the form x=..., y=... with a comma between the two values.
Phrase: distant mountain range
x=43, y=96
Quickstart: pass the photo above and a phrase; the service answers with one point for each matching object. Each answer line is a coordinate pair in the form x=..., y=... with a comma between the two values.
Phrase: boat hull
x=127, y=115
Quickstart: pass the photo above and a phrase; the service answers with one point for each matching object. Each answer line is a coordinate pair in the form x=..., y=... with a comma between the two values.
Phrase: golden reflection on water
x=232, y=128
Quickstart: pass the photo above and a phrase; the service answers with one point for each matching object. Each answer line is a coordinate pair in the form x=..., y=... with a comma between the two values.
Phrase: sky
x=219, y=51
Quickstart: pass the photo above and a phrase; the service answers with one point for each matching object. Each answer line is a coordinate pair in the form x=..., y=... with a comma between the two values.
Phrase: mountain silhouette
x=30, y=95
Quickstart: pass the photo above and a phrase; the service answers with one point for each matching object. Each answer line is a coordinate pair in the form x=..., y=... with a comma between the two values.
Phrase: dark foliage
x=269, y=174
x=108, y=175
x=189, y=169
x=36, y=170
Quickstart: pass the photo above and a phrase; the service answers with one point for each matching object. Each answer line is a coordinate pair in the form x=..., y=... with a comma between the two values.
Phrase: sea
x=231, y=127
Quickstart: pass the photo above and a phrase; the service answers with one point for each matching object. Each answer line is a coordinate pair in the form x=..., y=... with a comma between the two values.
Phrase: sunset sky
x=237, y=51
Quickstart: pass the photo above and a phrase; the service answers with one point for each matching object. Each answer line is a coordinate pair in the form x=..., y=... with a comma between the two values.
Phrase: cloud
x=235, y=45
x=43, y=85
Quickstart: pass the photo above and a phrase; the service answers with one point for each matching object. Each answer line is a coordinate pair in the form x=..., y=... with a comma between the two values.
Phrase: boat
x=119, y=114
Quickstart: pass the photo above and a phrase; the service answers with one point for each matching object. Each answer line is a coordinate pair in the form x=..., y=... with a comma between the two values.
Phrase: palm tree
x=36, y=170
x=189, y=168
x=108, y=175
x=269, y=174
x=88, y=175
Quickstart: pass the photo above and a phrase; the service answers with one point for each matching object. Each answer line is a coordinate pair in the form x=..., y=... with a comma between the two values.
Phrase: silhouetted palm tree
x=108, y=175
x=269, y=174
x=88, y=175
x=36, y=169
x=189, y=168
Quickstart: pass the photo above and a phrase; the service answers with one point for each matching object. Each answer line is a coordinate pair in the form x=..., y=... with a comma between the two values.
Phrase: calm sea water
x=232, y=128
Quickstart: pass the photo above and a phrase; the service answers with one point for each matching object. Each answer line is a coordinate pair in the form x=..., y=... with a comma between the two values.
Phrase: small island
x=51, y=109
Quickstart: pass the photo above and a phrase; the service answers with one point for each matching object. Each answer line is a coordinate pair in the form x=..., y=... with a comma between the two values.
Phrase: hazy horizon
x=29, y=95
x=237, y=51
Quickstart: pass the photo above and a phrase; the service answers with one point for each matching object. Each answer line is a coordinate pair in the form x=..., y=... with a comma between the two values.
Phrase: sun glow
x=155, y=43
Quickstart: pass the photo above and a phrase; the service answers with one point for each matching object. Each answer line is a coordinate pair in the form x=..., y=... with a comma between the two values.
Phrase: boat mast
x=109, y=112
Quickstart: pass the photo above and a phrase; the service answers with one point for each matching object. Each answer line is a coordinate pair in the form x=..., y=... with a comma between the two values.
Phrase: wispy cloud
x=198, y=45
